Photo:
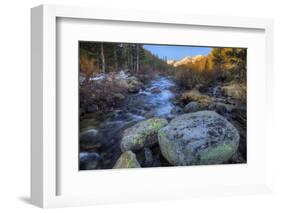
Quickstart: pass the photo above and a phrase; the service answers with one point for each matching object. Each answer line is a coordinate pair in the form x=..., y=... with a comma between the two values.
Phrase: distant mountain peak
x=185, y=60
x=171, y=62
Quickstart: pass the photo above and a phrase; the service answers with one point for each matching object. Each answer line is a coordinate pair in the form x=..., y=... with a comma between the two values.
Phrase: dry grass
x=189, y=79
x=103, y=95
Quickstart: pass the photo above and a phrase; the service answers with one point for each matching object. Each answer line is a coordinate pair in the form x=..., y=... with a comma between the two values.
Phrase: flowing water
x=153, y=101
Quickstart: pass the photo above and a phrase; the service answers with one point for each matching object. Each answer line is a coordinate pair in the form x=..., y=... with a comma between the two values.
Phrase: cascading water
x=143, y=105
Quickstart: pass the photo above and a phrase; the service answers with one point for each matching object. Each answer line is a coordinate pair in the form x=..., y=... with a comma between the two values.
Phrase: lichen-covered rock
x=142, y=134
x=127, y=160
x=195, y=95
x=197, y=138
x=193, y=106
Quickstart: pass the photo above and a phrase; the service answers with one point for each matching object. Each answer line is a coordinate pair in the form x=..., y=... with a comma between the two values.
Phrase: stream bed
x=153, y=101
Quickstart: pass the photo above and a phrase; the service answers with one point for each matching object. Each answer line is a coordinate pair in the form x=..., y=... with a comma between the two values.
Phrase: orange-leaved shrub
x=87, y=65
x=189, y=79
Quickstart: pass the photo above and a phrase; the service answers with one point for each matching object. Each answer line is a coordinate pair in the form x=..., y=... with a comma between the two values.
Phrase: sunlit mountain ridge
x=188, y=60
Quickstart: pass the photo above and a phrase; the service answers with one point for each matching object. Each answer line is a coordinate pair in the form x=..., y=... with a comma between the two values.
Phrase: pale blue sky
x=176, y=52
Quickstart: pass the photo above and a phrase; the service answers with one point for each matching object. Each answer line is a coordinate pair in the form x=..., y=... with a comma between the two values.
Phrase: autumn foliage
x=227, y=64
x=87, y=65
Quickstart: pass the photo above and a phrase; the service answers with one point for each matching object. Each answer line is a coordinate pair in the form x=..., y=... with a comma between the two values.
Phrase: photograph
x=161, y=105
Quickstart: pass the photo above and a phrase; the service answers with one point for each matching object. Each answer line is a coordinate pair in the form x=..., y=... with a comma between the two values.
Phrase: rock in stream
x=142, y=134
x=203, y=137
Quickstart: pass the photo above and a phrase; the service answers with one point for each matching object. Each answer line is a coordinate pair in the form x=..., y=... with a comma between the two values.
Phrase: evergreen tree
x=102, y=57
x=218, y=58
x=238, y=57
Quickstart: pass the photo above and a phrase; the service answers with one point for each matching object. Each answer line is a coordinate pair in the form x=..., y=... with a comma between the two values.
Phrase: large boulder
x=234, y=90
x=195, y=95
x=142, y=134
x=87, y=139
x=198, y=138
x=127, y=160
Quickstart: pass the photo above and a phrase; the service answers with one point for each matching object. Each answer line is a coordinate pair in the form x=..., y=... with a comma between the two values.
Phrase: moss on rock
x=203, y=137
x=142, y=134
x=127, y=160
x=214, y=154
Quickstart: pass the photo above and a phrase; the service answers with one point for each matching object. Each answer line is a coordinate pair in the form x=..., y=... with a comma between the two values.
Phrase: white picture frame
x=44, y=153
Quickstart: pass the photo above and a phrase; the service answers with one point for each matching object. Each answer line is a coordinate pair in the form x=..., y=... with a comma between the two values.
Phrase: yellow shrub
x=87, y=65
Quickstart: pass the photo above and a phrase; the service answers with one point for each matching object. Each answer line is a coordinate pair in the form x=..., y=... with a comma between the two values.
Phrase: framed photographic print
x=132, y=105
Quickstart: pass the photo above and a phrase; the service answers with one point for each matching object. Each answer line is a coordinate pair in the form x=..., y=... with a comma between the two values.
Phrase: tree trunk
x=98, y=58
x=102, y=58
x=128, y=52
x=132, y=59
x=115, y=59
x=138, y=58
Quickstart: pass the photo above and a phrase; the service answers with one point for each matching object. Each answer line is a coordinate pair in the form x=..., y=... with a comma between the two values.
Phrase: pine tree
x=102, y=57
x=138, y=57
x=238, y=58
x=218, y=58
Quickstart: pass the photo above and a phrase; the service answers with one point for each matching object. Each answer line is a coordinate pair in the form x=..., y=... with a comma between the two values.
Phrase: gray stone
x=134, y=86
x=142, y=134
x=127, y=160
x=192, y=106
x=203, y=137
x=221, y=107
x=89, y=161
x=87, y=138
